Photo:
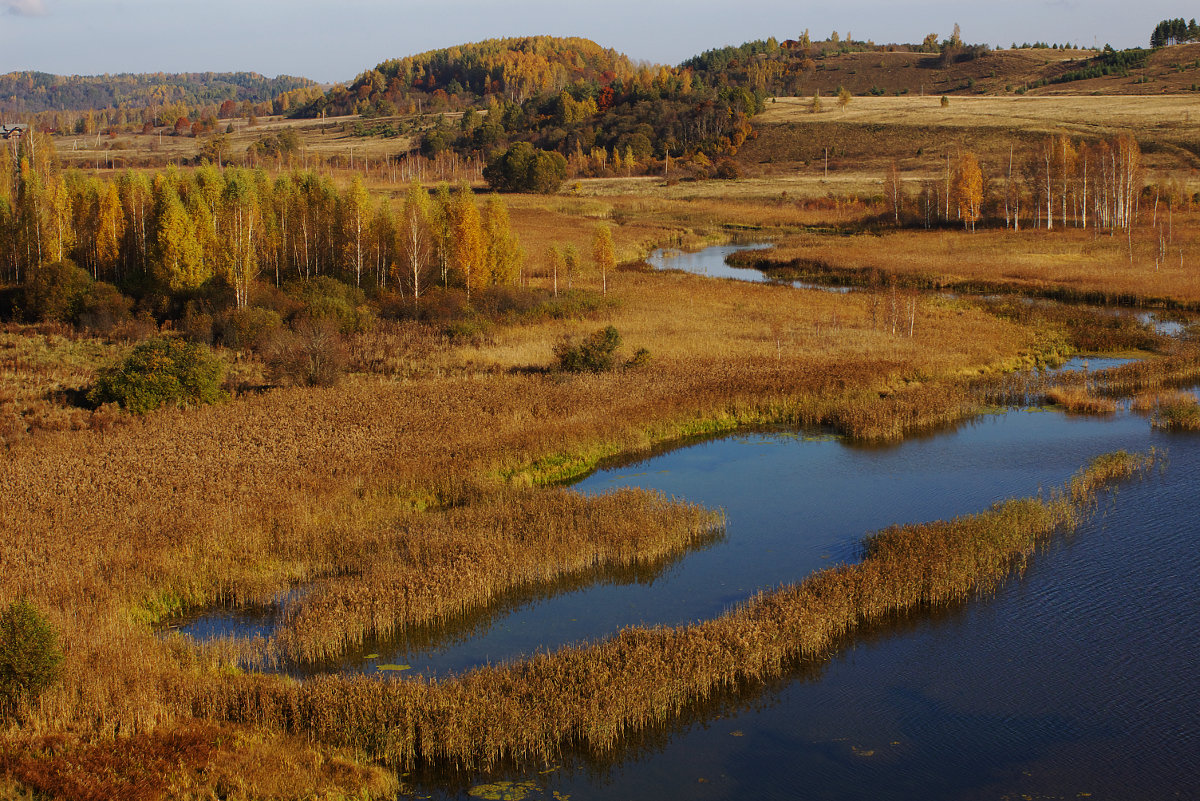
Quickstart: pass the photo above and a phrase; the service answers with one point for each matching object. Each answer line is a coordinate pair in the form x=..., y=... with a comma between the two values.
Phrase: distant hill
x=32, y=92
x=591, y=104
x=455, y=77
x=803, y=69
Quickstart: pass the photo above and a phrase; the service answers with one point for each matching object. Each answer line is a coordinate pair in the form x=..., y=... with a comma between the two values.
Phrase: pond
x=1082, y=679
x=794, y=504
x=711, y=262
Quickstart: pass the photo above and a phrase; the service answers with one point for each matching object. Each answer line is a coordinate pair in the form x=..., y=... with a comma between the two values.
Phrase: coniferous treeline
x=1175, y=31
x=180, y=234
x=31, y=92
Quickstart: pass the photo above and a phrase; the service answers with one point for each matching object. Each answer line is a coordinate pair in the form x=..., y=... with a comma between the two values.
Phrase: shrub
x=524, y=168
x=158, y=372
x=102, y=308
x=728, y=169
x=55, y=292
x=595, y=354
x=252, y=328
x=29, y=654
x=197, y=324
x=313, y=354
x=325, y=297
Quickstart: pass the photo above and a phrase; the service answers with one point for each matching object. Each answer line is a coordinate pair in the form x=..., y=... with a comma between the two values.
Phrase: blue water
x=1079, y=680
x=710, y=261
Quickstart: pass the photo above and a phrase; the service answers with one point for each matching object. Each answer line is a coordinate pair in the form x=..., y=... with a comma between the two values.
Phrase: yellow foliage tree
x=968, y=188
x=604, y=254
x=503, y=252
x=470, y=249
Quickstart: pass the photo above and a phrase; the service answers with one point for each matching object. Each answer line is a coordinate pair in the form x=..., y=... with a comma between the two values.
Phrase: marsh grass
x=1078, y=400
x=189, y=761
x=44, y=373
x=592, y=696
x=1177, y=411
x=431, y=568
x=1072, y=266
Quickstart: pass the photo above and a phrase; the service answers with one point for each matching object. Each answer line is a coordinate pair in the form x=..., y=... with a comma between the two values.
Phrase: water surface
x=1079, y=680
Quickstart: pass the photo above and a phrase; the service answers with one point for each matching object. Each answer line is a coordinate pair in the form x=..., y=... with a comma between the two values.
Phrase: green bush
x=524, y=168
x=595, y=354
x=252, y=328
x=161, y=371
x=327, y=298
x=55, y=292
x=29, y=654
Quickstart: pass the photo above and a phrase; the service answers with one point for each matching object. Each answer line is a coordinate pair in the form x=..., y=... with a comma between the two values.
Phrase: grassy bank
x=1072, y=265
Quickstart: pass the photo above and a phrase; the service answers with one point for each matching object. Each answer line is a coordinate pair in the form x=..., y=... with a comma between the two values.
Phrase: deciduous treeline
x=181, y=231
x=1057, y=183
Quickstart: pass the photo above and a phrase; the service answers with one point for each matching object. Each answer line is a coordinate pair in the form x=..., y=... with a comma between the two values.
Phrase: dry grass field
x=1072, y=263
x=1078, y=115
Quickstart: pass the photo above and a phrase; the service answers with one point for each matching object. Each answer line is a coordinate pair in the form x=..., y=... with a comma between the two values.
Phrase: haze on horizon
x=335, y=41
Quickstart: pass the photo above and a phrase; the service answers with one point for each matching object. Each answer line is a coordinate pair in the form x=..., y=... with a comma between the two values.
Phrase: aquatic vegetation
x=591, y=696
x=1177, y=412
x=1078, y=400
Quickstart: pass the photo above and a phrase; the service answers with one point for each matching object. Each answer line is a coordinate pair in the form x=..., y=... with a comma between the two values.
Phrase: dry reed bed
x=1174, y=411
x=108, y=531
x=1078, y=400
x=192, y=760
x=39, y=366
x=1069, y=265
x=1179, y=367
x=431, y=568
x=592, y=696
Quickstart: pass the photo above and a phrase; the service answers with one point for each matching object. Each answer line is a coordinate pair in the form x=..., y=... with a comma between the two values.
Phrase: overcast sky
x=334, y=41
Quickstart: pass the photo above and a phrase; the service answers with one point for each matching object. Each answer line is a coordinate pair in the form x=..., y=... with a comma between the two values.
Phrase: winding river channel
x=1080, y=679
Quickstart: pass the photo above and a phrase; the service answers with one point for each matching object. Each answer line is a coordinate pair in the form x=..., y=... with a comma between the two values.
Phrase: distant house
x=12, y=132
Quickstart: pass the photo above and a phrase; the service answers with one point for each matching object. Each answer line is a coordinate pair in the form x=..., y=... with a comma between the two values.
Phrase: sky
x=335, y=41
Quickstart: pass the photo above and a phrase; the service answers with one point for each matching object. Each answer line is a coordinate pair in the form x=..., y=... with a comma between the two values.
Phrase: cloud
x=24, y=8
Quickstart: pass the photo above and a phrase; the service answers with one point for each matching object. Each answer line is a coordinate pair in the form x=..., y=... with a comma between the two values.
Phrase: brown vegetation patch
x=1071, y=265
x=593, y=696
x=188, y=761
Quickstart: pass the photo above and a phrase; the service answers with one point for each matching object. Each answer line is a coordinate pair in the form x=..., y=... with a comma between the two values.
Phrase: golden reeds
x=433, y=567
x=592, y=696
x=1078, y=400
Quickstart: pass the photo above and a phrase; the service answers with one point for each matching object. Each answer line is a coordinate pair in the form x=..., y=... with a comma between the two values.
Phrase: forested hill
x=570, y=95
x=457, y=77
x=33, y=92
